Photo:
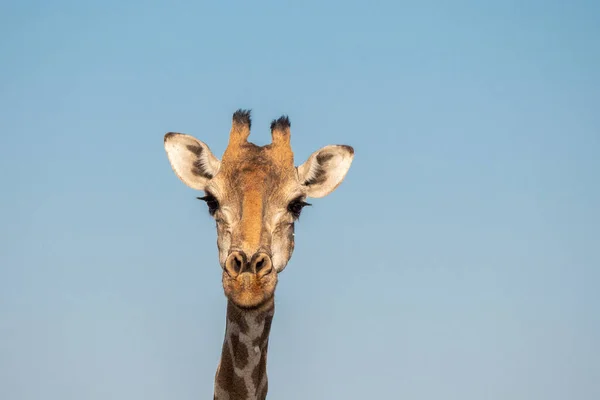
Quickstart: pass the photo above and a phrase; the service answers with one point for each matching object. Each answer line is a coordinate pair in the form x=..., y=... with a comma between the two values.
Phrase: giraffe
x=255, y=194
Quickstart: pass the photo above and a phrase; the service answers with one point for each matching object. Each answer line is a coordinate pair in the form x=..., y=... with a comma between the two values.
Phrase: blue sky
x=459, y=259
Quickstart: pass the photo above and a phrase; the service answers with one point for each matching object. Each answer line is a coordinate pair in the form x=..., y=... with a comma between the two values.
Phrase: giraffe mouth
x=249, y=290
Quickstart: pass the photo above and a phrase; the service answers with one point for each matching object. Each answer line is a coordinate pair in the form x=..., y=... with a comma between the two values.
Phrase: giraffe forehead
x=249, y=155
x=255, y=171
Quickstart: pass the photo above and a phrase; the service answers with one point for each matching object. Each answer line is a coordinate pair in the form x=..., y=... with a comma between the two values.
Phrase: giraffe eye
x=211, y=202
x=295, y=207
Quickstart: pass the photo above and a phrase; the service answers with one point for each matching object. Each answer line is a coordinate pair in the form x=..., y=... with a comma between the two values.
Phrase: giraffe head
x=255, y=195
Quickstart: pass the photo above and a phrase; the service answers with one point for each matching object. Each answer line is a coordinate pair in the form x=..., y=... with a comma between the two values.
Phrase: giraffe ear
x=191, y=160
x=325, y=169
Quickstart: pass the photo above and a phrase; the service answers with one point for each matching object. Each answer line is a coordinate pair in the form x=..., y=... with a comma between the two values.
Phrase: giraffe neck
x=242, y=371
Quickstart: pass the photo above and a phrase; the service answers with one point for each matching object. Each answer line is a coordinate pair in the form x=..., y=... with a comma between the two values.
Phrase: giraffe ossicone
x=255, y=194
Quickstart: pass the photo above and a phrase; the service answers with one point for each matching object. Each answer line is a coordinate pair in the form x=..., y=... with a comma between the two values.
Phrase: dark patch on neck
x=239, y=350
x=235, y=314
x=198, y=168
x=259, y=371
x=262, y=394
x=262, y=340
x=226, y=378
x=263, y=344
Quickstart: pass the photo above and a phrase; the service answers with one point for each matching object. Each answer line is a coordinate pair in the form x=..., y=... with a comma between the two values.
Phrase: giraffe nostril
x=261, y=263
x=235, y=263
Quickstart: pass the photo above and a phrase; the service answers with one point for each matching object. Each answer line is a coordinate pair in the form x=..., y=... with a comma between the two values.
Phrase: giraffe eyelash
x=211, y=201
x=295, y=207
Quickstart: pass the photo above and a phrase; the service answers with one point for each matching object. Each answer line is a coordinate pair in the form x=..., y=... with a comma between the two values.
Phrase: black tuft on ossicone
x=242, y=117
x=281, y=123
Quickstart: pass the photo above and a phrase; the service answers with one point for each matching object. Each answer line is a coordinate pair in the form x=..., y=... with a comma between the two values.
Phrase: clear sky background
x=460, y=259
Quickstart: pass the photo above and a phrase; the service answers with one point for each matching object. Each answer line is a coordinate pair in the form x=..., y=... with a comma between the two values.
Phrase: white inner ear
x=191, y=160
x=325, y=169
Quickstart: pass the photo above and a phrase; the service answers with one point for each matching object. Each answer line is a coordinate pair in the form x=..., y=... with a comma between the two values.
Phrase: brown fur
x=253, y=193
x=254, y=176
x=226, y=378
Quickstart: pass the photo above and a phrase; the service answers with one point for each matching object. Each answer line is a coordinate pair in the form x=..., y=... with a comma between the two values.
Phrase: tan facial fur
x=257, y=191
